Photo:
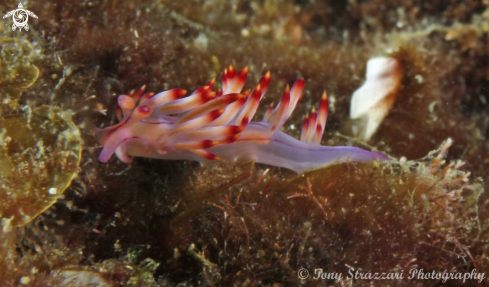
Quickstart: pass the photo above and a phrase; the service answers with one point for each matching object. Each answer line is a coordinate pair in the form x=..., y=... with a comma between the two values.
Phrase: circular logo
x=20, y=17
x=303, y=273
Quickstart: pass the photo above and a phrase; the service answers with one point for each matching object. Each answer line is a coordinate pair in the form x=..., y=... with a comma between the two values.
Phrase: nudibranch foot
x=212, y=125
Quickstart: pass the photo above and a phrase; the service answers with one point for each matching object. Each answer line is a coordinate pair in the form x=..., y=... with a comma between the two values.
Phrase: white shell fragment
x=80, y=278
x=373, y=100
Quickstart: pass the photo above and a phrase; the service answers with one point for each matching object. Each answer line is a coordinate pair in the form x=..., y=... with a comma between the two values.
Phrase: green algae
x=40, y=152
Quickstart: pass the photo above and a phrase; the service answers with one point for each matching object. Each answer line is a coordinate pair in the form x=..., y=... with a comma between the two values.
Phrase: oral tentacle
x=121, y=153
x=113, y=141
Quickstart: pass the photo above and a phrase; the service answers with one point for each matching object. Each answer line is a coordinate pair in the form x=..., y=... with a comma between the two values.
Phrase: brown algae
x=40, y=152
x=16, y=69
x=373, y=217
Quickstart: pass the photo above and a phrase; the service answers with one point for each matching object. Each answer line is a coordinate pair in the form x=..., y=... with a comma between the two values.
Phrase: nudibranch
x=213, y=125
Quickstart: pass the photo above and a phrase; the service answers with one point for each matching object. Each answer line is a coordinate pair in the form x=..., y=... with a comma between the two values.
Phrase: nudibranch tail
x=214, y=125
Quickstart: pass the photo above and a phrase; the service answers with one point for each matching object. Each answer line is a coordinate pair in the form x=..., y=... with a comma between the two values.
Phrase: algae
x=17, y=71
x=40, y=152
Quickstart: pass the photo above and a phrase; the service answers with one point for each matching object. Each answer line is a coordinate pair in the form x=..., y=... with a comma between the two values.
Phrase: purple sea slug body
x=210, y=125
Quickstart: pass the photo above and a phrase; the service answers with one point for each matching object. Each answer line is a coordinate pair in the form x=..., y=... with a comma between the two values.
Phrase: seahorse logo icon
x=20, y=17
